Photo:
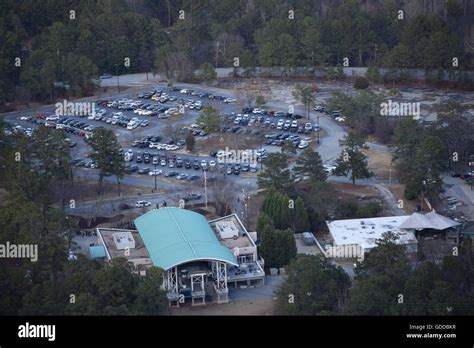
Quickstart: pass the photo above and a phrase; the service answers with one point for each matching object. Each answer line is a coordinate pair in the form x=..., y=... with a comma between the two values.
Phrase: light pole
x=155, y=175
x=471, y=165
x=205, y=187
x=423, y=194
x=319, y=128
x=118, y=79
x=246, y=214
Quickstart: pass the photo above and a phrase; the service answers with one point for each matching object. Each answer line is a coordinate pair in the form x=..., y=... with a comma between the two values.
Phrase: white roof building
x=365, y=232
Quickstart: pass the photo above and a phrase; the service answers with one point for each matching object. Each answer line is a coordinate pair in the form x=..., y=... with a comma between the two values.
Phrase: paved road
x=456, y=187
x=266, y=291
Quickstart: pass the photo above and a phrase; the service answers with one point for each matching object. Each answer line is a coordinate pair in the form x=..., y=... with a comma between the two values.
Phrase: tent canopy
x=431, y=220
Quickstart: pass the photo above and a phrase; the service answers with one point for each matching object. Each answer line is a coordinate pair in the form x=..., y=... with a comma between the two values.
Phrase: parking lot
x=143, y=121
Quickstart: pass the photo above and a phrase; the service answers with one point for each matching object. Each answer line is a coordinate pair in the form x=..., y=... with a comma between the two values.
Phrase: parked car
x=140, y=204
x=155, y=172
x=144, y=171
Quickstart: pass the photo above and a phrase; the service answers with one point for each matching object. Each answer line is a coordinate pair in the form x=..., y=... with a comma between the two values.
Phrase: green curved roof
x=174, y=236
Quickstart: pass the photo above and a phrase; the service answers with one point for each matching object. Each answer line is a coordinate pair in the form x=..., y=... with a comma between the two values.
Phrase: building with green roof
x=175, y=236
x=199, y=257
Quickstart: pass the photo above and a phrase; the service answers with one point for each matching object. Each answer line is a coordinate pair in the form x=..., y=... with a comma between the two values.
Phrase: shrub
x=361, y=83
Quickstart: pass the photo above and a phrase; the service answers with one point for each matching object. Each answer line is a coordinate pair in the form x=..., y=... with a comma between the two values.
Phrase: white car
x=128, y=156
x=257, y=111
x=212, y=164
x=182, y=176
x=230, y=100
x=171, y=147
x=303, y=144
x=24, y=118
x=183, y=91
x=155, y=172
x=52, y=118
x=140, y=204
x=171, y=111
x=329, y=168
x=280, y=123
x=237, y=120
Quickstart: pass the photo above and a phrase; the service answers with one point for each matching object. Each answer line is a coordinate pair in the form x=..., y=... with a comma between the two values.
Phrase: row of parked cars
x=173, y=161
x=279, y=139
x=281, y=124
x=68, y=124
x=203, y=95
x=271, y=113
x=336, y=114
x=119, y=119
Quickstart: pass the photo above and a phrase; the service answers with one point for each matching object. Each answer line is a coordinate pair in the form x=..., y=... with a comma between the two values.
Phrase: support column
x=172, y=286
x=220, y=281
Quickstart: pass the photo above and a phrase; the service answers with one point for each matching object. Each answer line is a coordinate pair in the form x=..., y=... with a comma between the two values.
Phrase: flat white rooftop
x=365, y=232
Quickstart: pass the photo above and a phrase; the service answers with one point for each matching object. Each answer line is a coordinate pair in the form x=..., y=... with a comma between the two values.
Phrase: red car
x=41, y=115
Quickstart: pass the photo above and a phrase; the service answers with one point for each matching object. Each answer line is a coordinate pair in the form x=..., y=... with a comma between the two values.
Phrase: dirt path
x=240, y=307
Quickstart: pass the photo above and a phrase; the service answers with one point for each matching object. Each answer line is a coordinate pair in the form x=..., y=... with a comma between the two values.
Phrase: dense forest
x=33, y=170
x=50, y=49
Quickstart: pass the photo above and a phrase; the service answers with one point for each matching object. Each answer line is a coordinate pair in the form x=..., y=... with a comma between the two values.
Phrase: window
x=244, y=259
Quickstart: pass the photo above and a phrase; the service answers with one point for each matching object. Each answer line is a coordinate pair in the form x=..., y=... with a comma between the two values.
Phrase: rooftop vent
x=124, y=240
x=227, y=229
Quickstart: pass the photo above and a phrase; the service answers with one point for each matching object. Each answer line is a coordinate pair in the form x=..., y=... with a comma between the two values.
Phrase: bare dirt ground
x=361, y=191
x=380, y=163
x=86, y=190
x=240, y=307
x=397, y=190
x=281, y=90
